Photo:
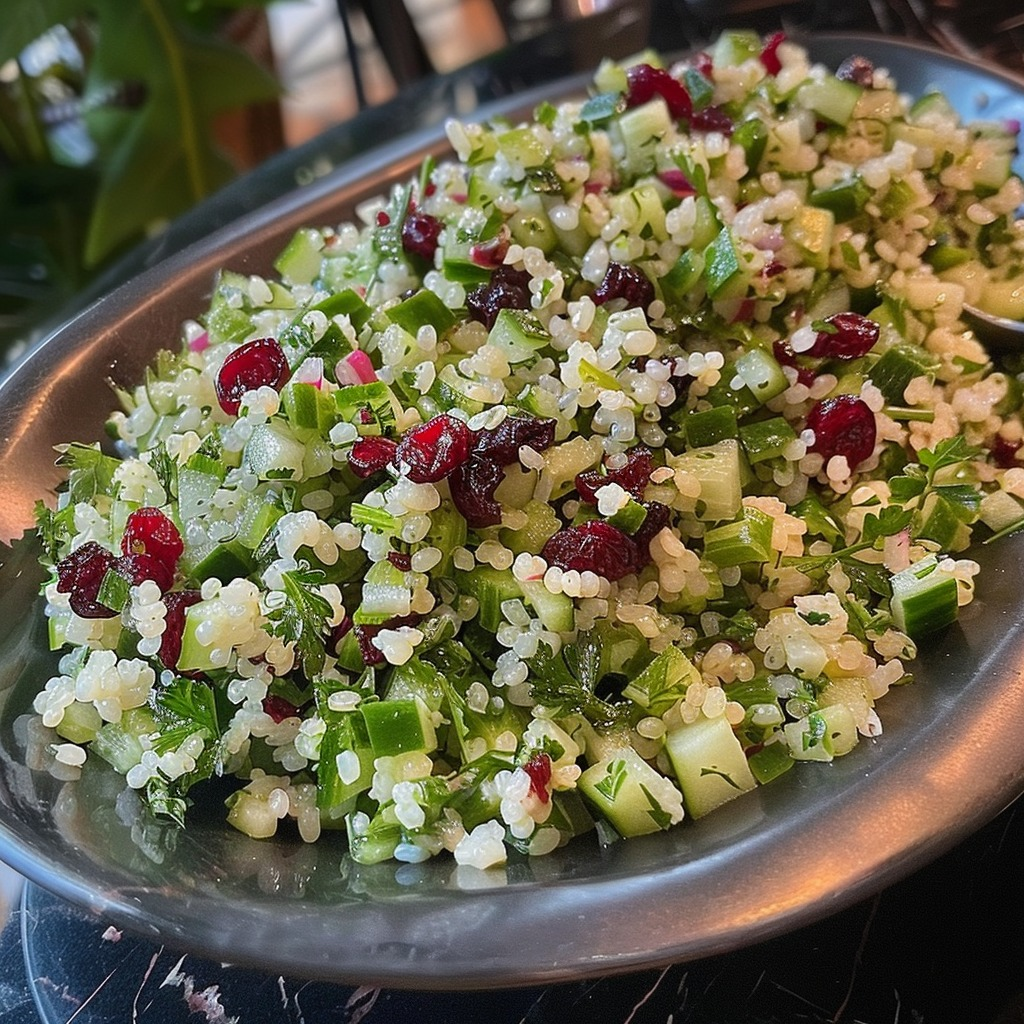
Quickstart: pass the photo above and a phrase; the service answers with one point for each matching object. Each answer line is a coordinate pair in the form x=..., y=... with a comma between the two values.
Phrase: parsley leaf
x=304, y=617
x=565, y=682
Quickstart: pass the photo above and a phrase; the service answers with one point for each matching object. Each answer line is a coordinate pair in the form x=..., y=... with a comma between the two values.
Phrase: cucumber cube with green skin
x=80, y=723
x=832, y=99
x=299, y=263
x=718, y=469
x=735, y=46
x=663, y=682
x=766, y=439
x=419, y=310
x=752, y=137
x=762, y=374
x=458, y=264
x=345, y=768
x=822, y=735
x=555, y=611
x=724, y=273
x=770, y=762
x=845, y=198
x=308, y=408
x=196, y=656
x=924, y=598
x=256, y=520
x=684, y=276
x=635, y=798
x=709, y=762
x=226, y=561
x=399, y=727
x=640, y=129
x=897, y=367
x=747, y=540
x=709, y=426
x=811, y=232
x=519, y=334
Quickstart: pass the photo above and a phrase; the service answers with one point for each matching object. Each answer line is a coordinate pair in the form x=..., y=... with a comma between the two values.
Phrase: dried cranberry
x=80, y=576
x=508, y=289
x=703, y=63
x=147, y=531
x=370, y=455
x=847, y=336
x=473, y=484
x=843, y=425
x=502, y=443
x=785, y=356
x=645, y=82
x=174, y=624
x=472, y=488
x=658, y=517
x=1004, y=453
x=596, y=546
x=278, y=708
x=400, y=560
x=539, y=770
x=420, y=233
x=491, y=254
x=713, y=119
x=856, y=69
x=434, y=449
x=137, y=568
x=770, y=53
x=634, y=476
x=256, y=364
x=624, y=281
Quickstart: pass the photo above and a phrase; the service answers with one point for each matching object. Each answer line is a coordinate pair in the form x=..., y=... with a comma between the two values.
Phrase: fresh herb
x=303, y=619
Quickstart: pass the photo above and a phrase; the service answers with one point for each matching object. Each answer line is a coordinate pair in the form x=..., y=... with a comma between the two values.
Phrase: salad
x=606, y=471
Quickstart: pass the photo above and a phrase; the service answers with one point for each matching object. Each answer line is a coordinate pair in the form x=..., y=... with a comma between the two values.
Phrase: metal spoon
x=997, y=332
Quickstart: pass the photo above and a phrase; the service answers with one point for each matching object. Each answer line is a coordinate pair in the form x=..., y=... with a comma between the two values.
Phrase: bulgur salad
x=599, y=475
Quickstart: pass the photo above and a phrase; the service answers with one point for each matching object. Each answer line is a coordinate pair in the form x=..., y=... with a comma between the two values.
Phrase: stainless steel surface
x=815, y=841
x=998, y=333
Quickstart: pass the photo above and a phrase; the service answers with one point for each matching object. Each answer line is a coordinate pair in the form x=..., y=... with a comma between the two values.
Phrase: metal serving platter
x=815, y=841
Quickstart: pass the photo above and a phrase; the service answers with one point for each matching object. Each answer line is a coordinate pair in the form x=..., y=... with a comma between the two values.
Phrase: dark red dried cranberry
x=645, y=82
x=658, y=517
x=147, y=531
x=539, y=770
x=856, y=69
x=80, y=576
x=785, y=356
x=473, y=484
x=502, y=443
x=634, y=476
x=278, y=708
x=136, y=569
x=596, y=546
x=174, y=624
x=472, y=488
x=843, y=425
x=508, y=289
x=256, y=364
x=370, y=455
x=434, y=449
x=491, y=253
x=420, y=232
x=1004, y=453
x=624, y=281
x=401, y=560
x=703, y=63
x=770, y=53
x=847, y=336
x=712, y=119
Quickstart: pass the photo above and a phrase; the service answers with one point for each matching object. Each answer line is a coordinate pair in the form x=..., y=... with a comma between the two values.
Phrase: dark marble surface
x=945, y=946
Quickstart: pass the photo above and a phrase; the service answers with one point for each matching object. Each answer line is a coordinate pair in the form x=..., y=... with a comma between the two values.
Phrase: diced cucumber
x=522, y=146
x=196, y=656
x=735, y=46
x=663, y=682
x=274, y=452
x=491, y=587
x=519, y=334
x=542, y=524
x=635, y=798
x=924, y=598
x=564, y=461
x=530, y=224
x=555, y=611
x=718, y=469
x=811, y=232
x=709, y=763
x=641, y=128
x=398, y=727
x=80, y=723
x=897, y=367
x=1000, y=509
x=709, y=426
x=762, y=374
x=845, y=199
x=225, y=561
x=684, y=276
x=725, y=274
x=822, y=735
x=299, y=263
x=766, y=439
x=423, y=308
x=830, y=98
x=749, y=539
x=309, y=409
x=256, y=521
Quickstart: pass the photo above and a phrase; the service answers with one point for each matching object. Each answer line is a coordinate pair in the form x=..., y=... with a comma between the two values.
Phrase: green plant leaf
x=23, y=23
x=159, y=159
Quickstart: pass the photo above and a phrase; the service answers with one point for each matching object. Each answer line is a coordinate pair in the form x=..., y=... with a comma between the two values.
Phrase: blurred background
x=117, y=118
